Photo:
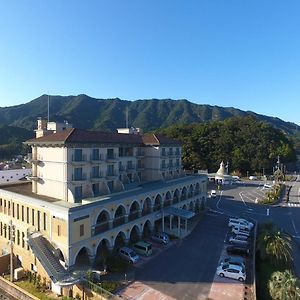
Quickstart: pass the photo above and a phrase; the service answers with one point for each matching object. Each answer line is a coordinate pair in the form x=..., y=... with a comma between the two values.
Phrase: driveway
x=187, y=269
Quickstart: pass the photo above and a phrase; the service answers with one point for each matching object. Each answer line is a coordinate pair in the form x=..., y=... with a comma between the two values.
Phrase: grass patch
x=116, y=264
x=111, y=286
x=264, y=270
x=32, y=289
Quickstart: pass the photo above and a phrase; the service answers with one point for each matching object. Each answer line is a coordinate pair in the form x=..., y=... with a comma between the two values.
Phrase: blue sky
x=239, y=53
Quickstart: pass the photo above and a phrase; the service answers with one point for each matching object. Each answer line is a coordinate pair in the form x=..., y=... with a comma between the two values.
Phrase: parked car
x=238, y=239
x=239, y=230
x=232, y=271
x=143, y=248
x=160, y=237
x=252, y=177
x=238, y=250
x=241, y=223
x=267, y=186
x=233, y=260
x=129, y=255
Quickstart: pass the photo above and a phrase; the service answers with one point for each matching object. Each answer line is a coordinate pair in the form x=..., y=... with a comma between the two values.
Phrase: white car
x=240, y=224
x=232, y=271
x=241, y=220
x=252, y=177
x=233, y=260
x=239, y=230
x=267, y=186
x=238, y=239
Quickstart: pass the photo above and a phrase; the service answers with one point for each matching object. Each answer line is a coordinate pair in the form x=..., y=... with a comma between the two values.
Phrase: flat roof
x=25, y=189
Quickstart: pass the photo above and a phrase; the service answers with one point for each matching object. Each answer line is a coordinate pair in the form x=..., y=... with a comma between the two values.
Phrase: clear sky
x=240, y=53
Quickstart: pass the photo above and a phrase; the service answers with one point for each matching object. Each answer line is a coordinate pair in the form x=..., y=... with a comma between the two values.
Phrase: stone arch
x=176, y=196
x=102, y=221
x=168, y=199
x=197, y=188
x=119, y=216
x=183, y=193
x=147, y=229
x=135, y=233
x=83, y=255
x=103, y=249
x=134, y=210
x=191, y=191
x=120, y=239
x=157, y=202
x=147, y=205
x=60, y=255
x=191, y=206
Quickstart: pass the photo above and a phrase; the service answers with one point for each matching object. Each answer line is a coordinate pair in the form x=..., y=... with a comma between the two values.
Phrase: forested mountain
x=108, y=114
x=249, y=145
x=11, y=139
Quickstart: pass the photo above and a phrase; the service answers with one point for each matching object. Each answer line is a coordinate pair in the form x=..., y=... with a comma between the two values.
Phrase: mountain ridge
x=108, y=114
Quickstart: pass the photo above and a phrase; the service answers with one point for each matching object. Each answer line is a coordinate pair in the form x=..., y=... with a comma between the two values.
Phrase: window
x=77, y=155
x=32, y=217
x=18, y=212
x=22, y=213
x=58, y=230
x=78, y=174
x=78, y=193
x=110, y=153
x=110, y=170
x=23, y=239
x=45, y=221
x=39, y=220
x=95, y=172
x=95, y=154
x=81, y=230
x=27, y=215
x=96, y=189
x=13, y=210
x=1, y=229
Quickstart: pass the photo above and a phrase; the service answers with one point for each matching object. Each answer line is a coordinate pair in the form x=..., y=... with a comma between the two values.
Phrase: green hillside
x=108, y=114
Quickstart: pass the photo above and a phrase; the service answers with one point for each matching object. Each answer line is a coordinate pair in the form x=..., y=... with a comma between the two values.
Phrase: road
x=240, y=200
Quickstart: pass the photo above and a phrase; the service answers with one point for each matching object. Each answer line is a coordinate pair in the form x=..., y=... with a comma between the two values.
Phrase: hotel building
x=91, y=191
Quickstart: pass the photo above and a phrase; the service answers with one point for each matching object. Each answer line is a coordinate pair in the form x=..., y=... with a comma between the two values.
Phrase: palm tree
x=274, y=243
x=284, y=286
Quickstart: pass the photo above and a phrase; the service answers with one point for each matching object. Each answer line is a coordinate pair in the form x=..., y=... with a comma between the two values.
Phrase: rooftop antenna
x=127, y=117
x=48, y=107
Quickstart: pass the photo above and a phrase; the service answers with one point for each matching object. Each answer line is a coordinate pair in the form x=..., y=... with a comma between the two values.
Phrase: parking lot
x=187, y=269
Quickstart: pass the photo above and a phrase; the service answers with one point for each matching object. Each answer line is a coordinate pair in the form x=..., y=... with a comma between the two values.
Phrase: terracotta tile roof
x=70, y=136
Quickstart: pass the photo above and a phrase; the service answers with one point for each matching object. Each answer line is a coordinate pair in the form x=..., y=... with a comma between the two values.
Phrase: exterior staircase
x=44, y=252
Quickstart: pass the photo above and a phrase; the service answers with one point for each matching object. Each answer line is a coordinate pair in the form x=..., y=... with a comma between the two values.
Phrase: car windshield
x=132, y=254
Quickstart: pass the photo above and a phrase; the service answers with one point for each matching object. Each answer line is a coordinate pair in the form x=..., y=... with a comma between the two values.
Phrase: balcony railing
x=111, y=173
x=100, y=228
x=118, y=221
x=157, y=207
x=81, y=177
x=96, y=176
x=146, y=211
x=96, y=158
x=111, y=156
x=78, y=158
x=133, y=215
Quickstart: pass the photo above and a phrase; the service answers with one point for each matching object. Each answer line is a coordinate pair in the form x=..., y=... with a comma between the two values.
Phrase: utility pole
x=11, y=240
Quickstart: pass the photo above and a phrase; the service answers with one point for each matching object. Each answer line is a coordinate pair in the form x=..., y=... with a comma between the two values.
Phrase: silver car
x=161, y=237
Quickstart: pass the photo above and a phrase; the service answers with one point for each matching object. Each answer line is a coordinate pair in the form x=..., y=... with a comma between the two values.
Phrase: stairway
x=44, y=252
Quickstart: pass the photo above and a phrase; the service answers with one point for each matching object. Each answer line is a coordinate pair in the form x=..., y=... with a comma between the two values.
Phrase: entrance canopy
x=182, y=213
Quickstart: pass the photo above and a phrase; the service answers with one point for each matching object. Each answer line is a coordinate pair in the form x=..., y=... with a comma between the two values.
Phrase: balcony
x=164, y=154
x=78, y=159
x=140, y=167
x=163, y=167
x=97, y=176
x=130, y=168
x=111, y=157
x=100, y=228
x=95, y=159
x=111, y=174
x=78, y=178
x=133, y=215
x=122, y=169
x=140, y=153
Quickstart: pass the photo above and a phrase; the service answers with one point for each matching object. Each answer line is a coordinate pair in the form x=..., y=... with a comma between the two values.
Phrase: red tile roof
x=75, y=136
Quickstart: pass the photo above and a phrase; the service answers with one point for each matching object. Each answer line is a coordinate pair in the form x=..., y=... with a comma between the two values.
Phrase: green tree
x=274, y=243
x=284, y=286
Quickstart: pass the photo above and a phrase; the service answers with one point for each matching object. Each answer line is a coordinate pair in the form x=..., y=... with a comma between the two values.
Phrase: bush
x=116, y=265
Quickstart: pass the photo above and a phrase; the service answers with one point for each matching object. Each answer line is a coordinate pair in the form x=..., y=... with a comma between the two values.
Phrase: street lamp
x=11, y=242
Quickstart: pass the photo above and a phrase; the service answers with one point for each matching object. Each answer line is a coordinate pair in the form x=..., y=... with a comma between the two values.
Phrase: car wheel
x=221, y=275
x=241, y=279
